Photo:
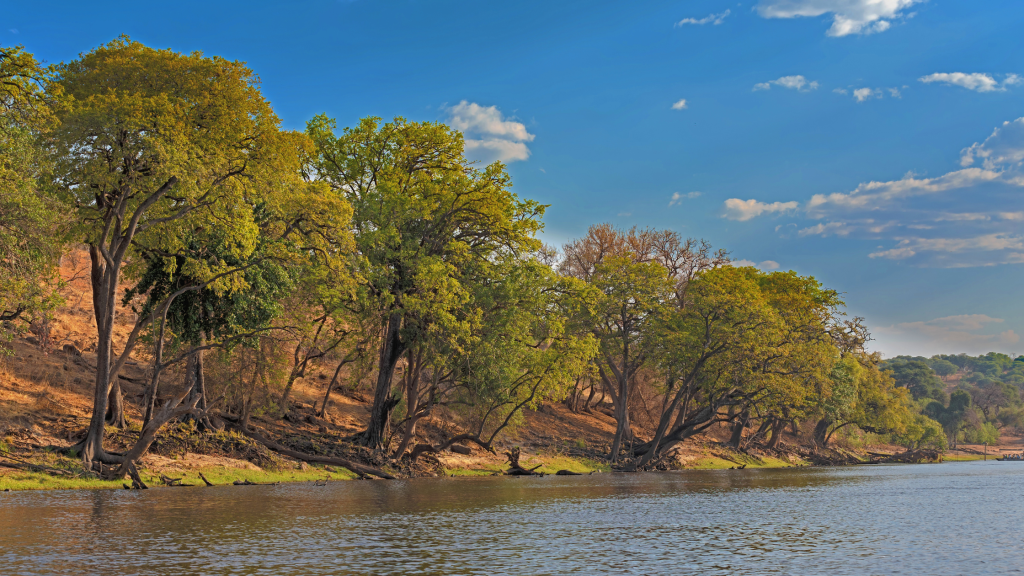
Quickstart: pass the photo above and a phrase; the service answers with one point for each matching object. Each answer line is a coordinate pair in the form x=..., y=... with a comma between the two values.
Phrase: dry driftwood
x=343, y=462
x=515, y=469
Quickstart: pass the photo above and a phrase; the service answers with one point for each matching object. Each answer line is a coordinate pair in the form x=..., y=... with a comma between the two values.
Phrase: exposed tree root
x=343, y=462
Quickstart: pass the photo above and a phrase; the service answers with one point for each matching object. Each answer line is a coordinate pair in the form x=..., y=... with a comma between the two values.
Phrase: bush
x=983, y=433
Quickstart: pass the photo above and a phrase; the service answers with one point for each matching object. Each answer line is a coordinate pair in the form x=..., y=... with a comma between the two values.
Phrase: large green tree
x=641, y=276
x=423, y=218
x=155, y=147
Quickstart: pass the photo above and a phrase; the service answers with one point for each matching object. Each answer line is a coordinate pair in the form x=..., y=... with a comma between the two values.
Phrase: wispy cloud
x=949, y=334
x=742, y=210
x=677, y=197
x=1003, y=148
x=976, y=81
x=489, y=136
x=848, y=16
x=797, y=82
x=714, y=19
x=827, y=229
x=964, y=218
x=764, y=265
x=680, y=104
x=878, y=195
x=909, y=247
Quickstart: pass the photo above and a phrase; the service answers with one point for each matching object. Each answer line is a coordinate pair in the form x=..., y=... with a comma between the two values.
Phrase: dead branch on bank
x=515, y=469
x=359, y=469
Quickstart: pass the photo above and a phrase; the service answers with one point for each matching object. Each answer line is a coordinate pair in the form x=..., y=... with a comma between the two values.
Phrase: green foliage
x=524, y=349
x=168, y=149
x=951, y=417
x=921, y=432
x=425, y=220
x=917, y=377
x=33, y=224
x=982, y=433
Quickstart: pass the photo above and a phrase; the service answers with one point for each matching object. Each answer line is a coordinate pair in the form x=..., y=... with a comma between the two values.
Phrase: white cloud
x=715, y=19
x=736, y=209
x=964, y=218
x=765, y=265
x=1003, y=148
x=840, y=90
x=950, y=334
x=961, y=217
x=797, y=82
x=895, y=92
x=836, y=228
x=848, y=16
x=680, y=105
x=677, y=198
x=496, y=149
x=489, y=136
x=876, y=195
x=862, y=94
x=909, y=247
x=976, y=81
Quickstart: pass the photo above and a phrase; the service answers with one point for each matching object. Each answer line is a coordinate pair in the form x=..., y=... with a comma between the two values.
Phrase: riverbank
x=46, y=386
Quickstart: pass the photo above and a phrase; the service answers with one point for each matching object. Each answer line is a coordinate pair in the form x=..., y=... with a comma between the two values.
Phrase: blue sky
x=874, y=144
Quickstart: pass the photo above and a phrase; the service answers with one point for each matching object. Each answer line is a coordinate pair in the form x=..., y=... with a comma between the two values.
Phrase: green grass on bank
x=715, y=462
x=550, y=464
x=961, y=457
x=219, y=475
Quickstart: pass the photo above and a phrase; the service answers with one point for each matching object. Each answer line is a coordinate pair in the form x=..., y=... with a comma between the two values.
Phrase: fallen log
x=343, y=462
x=460, y=449
x=173, y=481
x=203, y=478
x=567, y=473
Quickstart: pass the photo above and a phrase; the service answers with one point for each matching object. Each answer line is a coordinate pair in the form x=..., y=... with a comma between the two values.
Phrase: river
x=954, y=518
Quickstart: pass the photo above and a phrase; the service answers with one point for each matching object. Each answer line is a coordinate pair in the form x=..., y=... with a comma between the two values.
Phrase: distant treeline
x=986, y=398
x=251, y=255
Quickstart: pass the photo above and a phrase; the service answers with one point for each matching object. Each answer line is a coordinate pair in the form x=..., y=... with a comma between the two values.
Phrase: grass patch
x=219, y=475
x=43, y=481
x=950, y=457
x=223, y=475
x=710, y=461
x=483, y=470
x=549, y=465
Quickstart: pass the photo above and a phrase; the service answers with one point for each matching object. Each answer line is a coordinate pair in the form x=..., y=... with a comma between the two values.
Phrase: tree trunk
x=383, y=403
x=737, y=430
x=115, y=406
x=172, y=409
x=104, y=289
x=777, y=427
x=821, y=432
x=412, y=401
x=298, y=371
x=590, y=397
x=621, y=418
x=195, y=380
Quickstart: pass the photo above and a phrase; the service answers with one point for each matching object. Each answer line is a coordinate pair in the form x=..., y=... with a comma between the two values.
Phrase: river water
x=955, y=518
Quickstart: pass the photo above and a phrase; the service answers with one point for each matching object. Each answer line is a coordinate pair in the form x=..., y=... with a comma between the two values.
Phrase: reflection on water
x=962, y=518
